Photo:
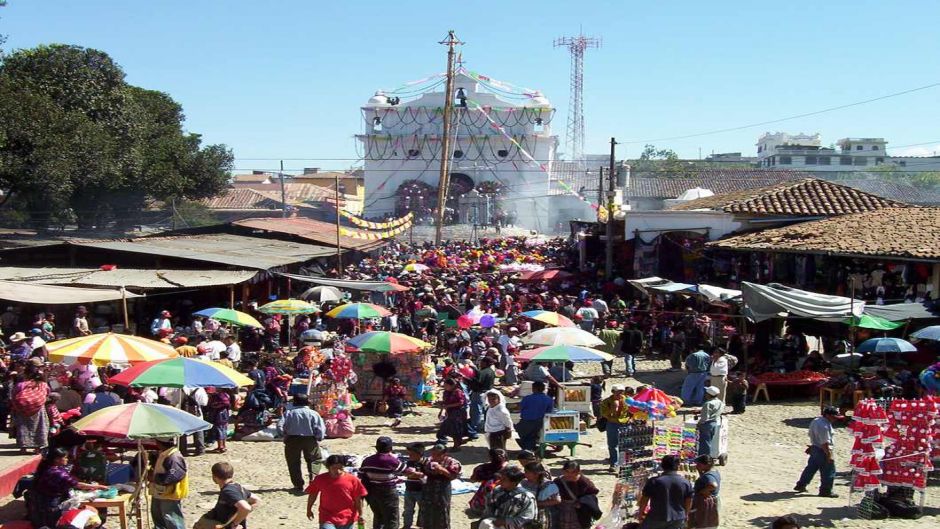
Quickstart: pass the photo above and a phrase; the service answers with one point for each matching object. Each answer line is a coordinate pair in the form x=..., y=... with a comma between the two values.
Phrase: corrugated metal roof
x=57, y=295
x=126, y=277
x=312, y=230
x=231, y=250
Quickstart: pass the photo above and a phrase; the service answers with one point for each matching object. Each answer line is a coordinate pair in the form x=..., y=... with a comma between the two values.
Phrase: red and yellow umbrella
x=108, y=348
x=549, y=318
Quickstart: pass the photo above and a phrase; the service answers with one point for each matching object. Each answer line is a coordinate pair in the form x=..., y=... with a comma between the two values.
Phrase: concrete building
x=804, y=152
x=402, y=149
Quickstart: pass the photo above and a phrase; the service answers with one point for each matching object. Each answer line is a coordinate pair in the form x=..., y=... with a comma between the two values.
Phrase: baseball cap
x=713, y=391
x=617, y=387
x=832, y=410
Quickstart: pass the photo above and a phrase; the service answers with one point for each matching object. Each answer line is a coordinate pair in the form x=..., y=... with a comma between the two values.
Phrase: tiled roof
x=717, y=181
x=309, y=229
x=251, y=178
x=248, y=198
x=895, y=190
x=809, y=197
x=911, y=232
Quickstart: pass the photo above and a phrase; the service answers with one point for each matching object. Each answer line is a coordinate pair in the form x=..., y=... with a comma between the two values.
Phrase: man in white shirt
x=588, y=314
x=721, y=363
x=233, y=349
x=194, y=400
x=215, y=347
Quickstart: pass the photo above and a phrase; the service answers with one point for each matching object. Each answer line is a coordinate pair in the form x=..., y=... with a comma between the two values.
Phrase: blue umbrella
x=886, y=345
x=928, y=333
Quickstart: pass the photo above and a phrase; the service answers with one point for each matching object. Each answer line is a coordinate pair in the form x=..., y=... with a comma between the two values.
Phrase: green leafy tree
x=659, y=162
x=78, y=144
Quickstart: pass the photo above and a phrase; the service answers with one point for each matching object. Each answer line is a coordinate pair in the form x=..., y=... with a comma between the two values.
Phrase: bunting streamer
x=363, y=223
x=374, y=236
x=525, y=154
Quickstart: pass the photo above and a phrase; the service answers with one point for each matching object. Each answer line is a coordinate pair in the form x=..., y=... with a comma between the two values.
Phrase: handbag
x=602, y=424
x=588, y=507
x=381, y=407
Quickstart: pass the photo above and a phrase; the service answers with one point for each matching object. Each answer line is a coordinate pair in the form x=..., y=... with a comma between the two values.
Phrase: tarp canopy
x=867, y=321
x=674, y=287
x=763, y=302
x=127, y=277
x=376, y=286
x=713, y=293
x=56, y=295
x=904, y=311
x=643, y=284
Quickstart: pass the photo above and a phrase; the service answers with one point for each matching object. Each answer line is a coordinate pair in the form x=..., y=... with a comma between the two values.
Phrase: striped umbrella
x=140, y=420
x=358, y=311
x=562, y=335
x=108, y=348
x=322, y=294
x=290, y=307
x=179, y=372
x=230, y=316
x=549, y=318
x=565, y=353
x=387, y=342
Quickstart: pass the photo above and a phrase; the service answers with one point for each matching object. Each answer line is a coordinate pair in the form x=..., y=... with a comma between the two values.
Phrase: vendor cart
x=719, y=442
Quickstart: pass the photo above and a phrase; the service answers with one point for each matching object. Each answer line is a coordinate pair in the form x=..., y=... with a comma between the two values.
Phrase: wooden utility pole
x=339, y=251
x=443, y=183
x=283, y=191
x=611, y=173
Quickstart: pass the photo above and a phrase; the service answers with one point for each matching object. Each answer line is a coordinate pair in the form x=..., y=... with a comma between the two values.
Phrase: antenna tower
x=574, y=139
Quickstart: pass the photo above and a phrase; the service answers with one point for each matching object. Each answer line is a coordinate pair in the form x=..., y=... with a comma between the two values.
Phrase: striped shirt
x=381, y=470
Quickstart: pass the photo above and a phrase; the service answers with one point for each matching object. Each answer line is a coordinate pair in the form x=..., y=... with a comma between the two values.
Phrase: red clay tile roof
x=906, y=232
x=249, y=198
x=809, y=197
x=309, y=229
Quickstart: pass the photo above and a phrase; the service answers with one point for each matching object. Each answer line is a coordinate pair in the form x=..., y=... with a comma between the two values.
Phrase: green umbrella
x=867, y=321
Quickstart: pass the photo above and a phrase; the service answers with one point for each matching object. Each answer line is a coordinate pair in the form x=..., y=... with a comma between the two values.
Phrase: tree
x=659, y=162
x=79, y=144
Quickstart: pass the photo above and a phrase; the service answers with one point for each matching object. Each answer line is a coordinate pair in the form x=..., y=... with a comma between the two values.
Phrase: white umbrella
x=562, y=336
x=322, y=294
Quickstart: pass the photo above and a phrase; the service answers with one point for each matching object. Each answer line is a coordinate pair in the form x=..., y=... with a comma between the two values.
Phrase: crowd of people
x=477, y=368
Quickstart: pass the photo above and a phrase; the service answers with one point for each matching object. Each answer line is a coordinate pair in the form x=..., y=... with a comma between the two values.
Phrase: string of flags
x=363, y=223
x=372, y=235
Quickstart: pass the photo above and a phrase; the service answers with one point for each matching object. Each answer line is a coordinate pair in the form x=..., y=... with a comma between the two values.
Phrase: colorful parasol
x=230, y=316
x=386, y=343
x=290, y=307
x=654, y=403
x=565, y=353
x=545, y=275
x=108, y=348
x=179, y=372
x=358, y=311
x=562, y=336
x=549, y=318
x=140, y=421
x=415, y=267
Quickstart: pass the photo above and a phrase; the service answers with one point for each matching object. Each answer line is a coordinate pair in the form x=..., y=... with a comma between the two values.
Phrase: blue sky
x=285, y=79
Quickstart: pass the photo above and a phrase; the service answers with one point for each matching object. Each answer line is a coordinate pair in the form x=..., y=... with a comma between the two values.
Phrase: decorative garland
x=374, y=236
x=363, y=223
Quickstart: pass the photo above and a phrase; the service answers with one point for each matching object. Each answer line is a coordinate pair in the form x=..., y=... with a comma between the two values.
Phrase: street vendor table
x=122, y=502
x=801, y=387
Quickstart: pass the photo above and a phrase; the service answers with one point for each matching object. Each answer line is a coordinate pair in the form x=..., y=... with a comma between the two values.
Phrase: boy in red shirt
x=340, y=494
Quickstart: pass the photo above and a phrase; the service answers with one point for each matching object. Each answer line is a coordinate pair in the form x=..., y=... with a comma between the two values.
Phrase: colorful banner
x=363, y=223
x=374, y=236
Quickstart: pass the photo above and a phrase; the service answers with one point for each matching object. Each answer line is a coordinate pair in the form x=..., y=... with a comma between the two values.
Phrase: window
x=760, y=148
x=861, y=160
x=502, y=153
x=879, y=160
x=902, y=163
x=824, y=160
x=810, y=160
x=874, y=147
x=376, y=124
x=845, y=160
x=539, y=125
x=859, y=147
x=413, y=153
x=786, y=160
x=458, y=154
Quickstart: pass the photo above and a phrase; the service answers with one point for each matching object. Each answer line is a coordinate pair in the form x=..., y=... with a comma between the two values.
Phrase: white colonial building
x=501, y=145
x=804, y=152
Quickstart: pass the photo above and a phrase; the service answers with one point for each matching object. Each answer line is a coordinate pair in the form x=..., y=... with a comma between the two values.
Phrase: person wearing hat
x=303, y=429
x=80, y=323
x=820, y=453
x=708, y=417
x=161, y=326
x=614, y=411
x=21, y=347
x=439, y=471
x=379, y=473
x=169, y=485
x=705, y=503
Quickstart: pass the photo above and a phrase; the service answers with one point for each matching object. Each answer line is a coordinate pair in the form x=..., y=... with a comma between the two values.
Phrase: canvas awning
x=374, y=286
x=904, y=311
x=57, y=295
x=160, y=278
x=713, y=293
x=763, y=302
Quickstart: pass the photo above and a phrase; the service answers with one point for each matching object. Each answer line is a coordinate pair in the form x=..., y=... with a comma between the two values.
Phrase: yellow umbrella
x=289, y=307
x=108, y=348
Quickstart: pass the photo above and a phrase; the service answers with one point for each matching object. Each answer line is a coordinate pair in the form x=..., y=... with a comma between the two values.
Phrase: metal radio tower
x=574, y=140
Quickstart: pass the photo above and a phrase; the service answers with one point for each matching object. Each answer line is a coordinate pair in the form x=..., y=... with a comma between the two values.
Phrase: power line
x=797, y=116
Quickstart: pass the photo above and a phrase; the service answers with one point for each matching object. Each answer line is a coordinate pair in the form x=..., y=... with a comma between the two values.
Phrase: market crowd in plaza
x=477, y=367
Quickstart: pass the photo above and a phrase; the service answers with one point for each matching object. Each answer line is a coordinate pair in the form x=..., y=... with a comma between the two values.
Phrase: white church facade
x=502, y=148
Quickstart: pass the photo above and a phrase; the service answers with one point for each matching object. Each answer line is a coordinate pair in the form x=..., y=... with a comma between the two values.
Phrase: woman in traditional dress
x=705, y=502
x=394, y=395
x=50, y=487
x=439, y=470
x=29, y=412
x=487, y=475
x=497, y=424
x=454, y=404
x=572, y=487
x=539, y=482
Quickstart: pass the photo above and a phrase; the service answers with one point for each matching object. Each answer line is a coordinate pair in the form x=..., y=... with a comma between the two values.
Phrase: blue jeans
x=706, y=433
x=613, y=438
x=818, y=462
x=411, y=504
x=167, y=514
x=476, y=414
x=629, y=362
